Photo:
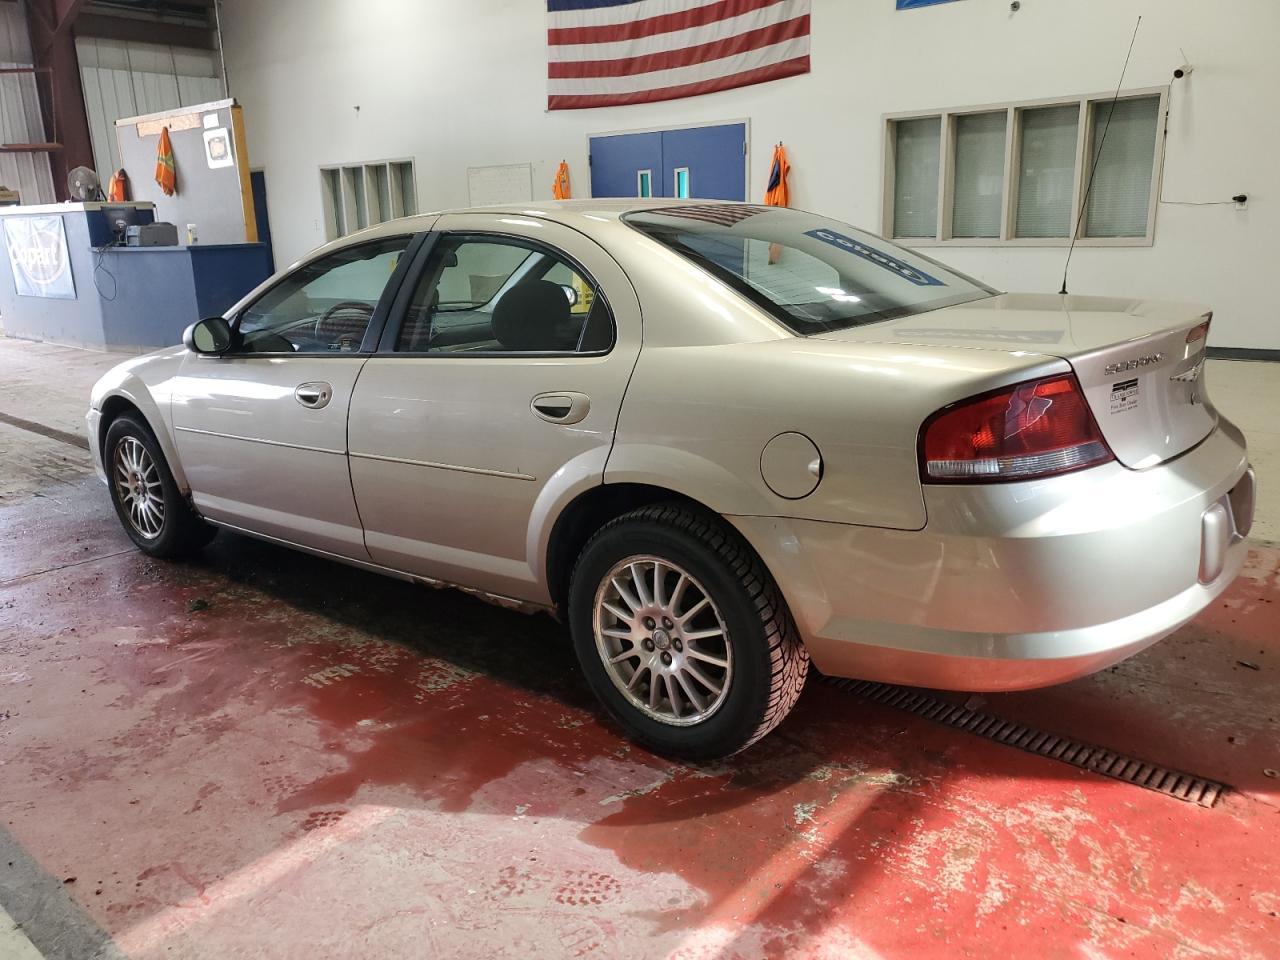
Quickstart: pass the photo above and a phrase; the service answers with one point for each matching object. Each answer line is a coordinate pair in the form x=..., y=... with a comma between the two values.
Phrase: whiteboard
x=509, y=183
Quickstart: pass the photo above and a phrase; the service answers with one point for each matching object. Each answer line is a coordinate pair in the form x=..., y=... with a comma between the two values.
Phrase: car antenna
x=1084, y=202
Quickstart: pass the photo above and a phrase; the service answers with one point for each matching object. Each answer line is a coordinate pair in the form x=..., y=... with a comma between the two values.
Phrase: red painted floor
x=261, y=754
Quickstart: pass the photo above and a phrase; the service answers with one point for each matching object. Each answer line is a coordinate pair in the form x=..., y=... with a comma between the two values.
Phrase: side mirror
x=210, y=336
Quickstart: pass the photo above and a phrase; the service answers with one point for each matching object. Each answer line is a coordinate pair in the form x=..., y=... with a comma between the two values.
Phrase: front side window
x=486, y=295
x=810, y=273
x=324, y=306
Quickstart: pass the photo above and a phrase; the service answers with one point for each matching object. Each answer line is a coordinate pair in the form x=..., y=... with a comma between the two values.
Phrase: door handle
x=561, y=407
x=315, y=394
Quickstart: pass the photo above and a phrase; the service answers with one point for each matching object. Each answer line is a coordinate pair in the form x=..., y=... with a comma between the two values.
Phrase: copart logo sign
x=38, y=255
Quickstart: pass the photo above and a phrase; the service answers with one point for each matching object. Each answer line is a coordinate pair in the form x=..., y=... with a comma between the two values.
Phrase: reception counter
x=65, y=281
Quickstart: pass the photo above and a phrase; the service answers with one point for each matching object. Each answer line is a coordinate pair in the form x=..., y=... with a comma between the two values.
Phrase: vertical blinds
x=979, y=174
x=1046, y=171
x=1121, y=193
x=915, y=177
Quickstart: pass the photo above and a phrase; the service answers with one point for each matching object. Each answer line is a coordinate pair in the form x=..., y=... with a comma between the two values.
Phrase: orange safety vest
x=560, y=187
x=166, y=173
x=118, y=190
x=777, y=193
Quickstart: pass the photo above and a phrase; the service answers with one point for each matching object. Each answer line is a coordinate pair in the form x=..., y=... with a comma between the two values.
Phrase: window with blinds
x=1035, y=193
x=1121, y=166
x=1047, y=171
x=359, y=195
x=978, y=187
x=915, y=182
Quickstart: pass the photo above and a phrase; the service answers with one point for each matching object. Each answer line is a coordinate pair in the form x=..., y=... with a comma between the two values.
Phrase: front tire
x=682, y=634
x=150, y=506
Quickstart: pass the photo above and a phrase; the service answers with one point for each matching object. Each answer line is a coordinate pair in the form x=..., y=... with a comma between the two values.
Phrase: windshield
x=811, y=273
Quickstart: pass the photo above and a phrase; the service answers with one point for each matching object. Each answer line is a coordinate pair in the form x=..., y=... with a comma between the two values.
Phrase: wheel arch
x=586, y=514
x=139, y=402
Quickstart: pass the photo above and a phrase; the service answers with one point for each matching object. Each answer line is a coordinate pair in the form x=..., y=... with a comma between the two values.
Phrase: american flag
x=604, y=53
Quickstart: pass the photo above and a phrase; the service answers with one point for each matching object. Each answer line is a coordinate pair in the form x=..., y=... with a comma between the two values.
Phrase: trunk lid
x=1142, y=377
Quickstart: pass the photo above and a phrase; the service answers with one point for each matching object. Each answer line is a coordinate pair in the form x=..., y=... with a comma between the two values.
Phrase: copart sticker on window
x=1124, y=396
x=878, y=257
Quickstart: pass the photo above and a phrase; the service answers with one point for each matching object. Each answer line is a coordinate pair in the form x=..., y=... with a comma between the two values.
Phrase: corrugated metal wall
x=128, y=79
x=20, y=120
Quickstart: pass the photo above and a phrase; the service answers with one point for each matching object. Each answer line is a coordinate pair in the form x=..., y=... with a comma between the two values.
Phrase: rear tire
x=682, y=634
x=150, y=506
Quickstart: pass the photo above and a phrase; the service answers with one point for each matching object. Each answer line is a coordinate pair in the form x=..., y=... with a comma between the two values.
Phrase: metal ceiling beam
x=65, y=13
x=145, y=31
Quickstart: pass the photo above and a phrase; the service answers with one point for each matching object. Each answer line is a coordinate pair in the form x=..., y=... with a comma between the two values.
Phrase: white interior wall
x=122, y=79
x=459, y=85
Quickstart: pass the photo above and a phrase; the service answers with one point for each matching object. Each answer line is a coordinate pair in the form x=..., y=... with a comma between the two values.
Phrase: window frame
x=408, y=288
x=944, y=236
x=377, y=322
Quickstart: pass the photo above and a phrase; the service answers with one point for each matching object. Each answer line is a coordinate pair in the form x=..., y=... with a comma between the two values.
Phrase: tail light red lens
x=1035, y=429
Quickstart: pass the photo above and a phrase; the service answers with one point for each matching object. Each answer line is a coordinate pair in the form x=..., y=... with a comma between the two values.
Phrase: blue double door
x=708, y=163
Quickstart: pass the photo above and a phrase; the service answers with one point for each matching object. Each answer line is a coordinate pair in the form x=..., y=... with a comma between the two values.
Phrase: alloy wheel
x=662, y=640
x=137, y=482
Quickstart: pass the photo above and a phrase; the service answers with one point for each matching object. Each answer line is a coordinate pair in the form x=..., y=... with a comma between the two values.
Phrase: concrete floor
x=262, y=754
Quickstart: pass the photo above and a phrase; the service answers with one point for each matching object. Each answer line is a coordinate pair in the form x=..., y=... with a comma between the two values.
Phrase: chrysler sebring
x=720, y=440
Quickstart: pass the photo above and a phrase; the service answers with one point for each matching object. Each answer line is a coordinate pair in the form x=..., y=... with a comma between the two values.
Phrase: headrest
x=534, y=316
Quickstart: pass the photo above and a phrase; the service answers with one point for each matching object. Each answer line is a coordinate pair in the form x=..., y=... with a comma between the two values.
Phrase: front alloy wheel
x=154, y=512
x=138, y=487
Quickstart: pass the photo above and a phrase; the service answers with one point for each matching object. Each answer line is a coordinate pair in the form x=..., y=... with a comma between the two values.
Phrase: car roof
x=574, y=213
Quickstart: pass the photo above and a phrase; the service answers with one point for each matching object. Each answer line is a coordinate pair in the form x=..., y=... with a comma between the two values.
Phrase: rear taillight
x=1198, y=332
x=1034, y=429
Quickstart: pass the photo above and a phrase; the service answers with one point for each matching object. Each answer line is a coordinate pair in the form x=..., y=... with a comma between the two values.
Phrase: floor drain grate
x=1149, y=776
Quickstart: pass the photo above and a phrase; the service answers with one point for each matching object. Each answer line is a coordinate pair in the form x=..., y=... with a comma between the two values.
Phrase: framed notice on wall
x=38, y=255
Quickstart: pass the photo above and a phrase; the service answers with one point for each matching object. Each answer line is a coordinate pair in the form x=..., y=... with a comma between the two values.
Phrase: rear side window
x=810, y=273
x=502, y=295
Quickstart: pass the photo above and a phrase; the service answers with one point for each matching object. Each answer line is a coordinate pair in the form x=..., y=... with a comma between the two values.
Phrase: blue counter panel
x=130, y=298
x=160, y=291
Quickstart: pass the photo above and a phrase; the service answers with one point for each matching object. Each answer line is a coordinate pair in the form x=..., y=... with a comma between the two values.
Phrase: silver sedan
x=722, y=441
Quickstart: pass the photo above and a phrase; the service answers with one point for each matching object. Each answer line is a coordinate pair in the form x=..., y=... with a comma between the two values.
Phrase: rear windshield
x=811, y=273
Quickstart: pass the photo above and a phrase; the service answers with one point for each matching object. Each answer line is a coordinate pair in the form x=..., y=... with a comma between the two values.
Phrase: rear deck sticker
x=878, y=257
x=1124, y=395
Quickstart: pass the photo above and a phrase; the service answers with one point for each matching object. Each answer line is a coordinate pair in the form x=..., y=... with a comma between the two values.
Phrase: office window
x=978, y=189
x=1122, y=169
x=360, y=195
x=1019, y=173
x=915, y=182
x=1046, y=171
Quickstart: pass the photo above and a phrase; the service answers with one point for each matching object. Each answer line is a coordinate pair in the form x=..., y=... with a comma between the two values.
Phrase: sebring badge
x=1134, y=364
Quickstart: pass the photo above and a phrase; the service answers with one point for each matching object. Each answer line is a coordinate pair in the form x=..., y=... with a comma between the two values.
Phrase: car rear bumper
x=1018, y=585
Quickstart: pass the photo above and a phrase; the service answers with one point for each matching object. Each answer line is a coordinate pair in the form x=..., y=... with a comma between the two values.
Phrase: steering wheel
x=344, y=323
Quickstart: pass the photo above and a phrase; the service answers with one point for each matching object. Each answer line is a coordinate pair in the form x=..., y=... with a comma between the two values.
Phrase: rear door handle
x=564, y=407
x=315, y=394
